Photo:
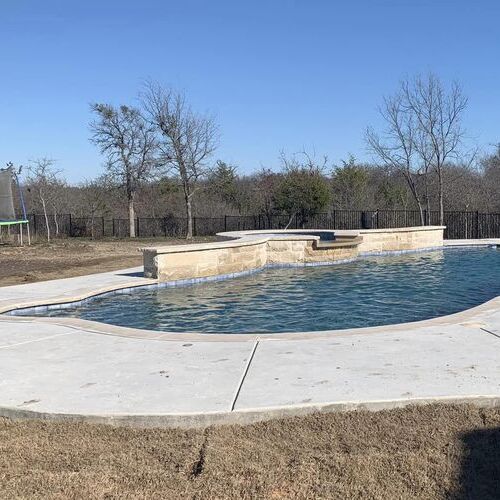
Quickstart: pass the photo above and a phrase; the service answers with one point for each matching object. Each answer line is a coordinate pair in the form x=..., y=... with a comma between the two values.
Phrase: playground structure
x=8, y=216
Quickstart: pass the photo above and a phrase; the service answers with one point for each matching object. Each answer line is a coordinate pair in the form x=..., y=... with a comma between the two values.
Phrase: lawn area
x=433, y=451
x=65, y=258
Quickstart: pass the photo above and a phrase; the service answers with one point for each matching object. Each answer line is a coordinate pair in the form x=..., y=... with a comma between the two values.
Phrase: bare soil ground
x=433, y=451
x=73, y=257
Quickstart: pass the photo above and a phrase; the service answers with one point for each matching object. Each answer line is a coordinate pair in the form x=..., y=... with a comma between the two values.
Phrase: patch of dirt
x=73, y=257
x=435, y=451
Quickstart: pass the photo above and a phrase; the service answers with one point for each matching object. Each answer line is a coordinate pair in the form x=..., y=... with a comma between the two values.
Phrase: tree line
x=160, y=160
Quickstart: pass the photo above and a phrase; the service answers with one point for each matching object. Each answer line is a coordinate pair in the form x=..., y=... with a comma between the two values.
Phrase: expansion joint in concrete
x=245, y=371
x=491, y=333
x=41, y=339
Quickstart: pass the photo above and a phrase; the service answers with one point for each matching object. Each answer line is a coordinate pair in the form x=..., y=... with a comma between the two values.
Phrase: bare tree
x=58, y=201
x=129, y=143
x=95, y=194
x=262, y=190
x=490, y=174
x=187, y=140
x=424, y=134
x=43, y=180
x=396, y=148
x=438, y=115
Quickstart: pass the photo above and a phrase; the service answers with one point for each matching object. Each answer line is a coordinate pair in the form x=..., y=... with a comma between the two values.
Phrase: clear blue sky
x=278, y=74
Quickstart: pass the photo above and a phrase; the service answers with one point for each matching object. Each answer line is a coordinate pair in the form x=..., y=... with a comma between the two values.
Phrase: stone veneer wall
x=212, y=259
x=383, y=240
x=305, y=251
x=201, y=263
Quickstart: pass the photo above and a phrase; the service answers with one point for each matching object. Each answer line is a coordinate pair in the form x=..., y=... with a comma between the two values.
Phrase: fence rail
x=459, y=225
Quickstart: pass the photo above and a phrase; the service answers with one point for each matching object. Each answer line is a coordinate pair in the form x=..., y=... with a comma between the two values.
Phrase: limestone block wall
x=286, y=251
x=183, y=263
x=313, y=254
x=411, y=238
x=248, y=251
x=306, y=251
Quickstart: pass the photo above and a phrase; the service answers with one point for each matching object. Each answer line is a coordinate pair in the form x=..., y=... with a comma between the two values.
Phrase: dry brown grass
x=419, y=452
x=65, y=258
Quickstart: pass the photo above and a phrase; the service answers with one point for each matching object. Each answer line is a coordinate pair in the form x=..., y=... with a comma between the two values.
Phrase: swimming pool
x=368, y=292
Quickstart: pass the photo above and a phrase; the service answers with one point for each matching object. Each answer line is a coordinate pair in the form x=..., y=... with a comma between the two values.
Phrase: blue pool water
x=369, y=292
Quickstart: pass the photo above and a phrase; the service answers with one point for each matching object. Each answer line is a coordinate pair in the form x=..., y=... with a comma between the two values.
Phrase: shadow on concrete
x=480, y=469
x=137, y=274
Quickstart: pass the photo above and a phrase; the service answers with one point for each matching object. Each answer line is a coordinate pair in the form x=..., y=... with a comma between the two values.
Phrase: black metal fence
x=459, y=225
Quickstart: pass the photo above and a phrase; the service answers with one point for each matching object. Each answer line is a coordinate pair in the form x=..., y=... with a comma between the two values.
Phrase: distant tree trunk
x=303, y=220
x=440, y=195
x=56, y=223
x=416, y=196
x=131, y=215
x=47, y=226
x=290, y=221
x=421, y=212
x=189, y=215
x=427, y=204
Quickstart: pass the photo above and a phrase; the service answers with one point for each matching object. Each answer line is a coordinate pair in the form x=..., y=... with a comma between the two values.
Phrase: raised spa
x=322, y=235
x=368, y=292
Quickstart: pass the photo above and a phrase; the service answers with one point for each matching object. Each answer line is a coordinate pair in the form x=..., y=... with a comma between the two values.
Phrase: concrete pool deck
x=66, y=368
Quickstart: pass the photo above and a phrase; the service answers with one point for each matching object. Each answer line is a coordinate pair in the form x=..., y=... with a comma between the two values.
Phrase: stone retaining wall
x=246, y=251
x=384, y=240
x=202, y=263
